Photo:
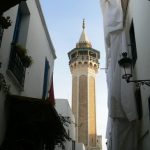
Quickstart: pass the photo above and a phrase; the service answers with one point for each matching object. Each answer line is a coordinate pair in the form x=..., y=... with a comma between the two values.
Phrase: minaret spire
x=83, y=26
x=83, y=41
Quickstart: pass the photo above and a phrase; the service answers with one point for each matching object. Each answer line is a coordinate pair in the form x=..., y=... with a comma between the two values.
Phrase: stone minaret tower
x=83, y=62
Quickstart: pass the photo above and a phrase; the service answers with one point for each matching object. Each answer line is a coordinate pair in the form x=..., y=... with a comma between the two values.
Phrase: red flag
x=51, y=97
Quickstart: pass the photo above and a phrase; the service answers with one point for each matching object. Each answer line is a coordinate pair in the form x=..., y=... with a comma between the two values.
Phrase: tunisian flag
x=51, y=97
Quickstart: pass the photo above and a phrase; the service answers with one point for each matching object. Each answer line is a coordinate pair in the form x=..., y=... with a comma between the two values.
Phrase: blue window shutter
x=46, y=78
x=17, y=26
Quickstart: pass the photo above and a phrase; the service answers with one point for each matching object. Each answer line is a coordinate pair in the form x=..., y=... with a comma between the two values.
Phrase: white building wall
x=139, y=11
x=80, y=146
x=115, y=126
x=39, y=46
x=63, y=108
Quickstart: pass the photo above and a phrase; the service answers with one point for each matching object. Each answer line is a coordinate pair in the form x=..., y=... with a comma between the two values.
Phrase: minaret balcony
x=84, y=58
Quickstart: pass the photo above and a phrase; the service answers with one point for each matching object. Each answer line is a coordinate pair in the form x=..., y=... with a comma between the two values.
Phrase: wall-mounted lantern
x=127, y=64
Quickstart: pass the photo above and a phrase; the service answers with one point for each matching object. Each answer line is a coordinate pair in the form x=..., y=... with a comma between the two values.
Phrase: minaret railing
x=84, y=58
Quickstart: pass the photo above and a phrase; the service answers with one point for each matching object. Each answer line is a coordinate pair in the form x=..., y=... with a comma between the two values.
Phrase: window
x=46, y=79
x=133, y=44
x=16, y=66
x=92, y=54
x=74, y=55
x=83, y=52
x=15, y=63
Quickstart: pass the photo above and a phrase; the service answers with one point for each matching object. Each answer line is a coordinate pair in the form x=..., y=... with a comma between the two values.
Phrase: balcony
x=16, y=66
x=84, y=58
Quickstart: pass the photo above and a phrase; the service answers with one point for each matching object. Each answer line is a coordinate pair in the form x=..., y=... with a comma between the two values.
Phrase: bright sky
x=64, y=22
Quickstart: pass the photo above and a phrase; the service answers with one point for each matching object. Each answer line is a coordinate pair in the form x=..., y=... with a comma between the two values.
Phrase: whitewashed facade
x=33, y=35
x=63, y=108
x=126, y=27
x=80, y=146
x=137, y=17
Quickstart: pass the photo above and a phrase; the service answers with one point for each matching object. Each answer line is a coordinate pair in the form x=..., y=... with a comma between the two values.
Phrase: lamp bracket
x=139, y=82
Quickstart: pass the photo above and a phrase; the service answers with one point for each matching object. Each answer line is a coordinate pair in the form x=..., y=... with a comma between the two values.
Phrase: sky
x=64, y=23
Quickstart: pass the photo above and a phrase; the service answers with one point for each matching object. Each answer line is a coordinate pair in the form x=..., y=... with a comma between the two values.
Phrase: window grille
x=16, y=66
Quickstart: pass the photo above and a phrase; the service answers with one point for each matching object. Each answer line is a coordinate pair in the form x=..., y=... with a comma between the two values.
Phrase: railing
x=16, y=66
x=84, y=58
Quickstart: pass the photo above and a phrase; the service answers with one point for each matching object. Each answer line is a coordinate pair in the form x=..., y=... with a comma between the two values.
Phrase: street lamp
x=127, y=64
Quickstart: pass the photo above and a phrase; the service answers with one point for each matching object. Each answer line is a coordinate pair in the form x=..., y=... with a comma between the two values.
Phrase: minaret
x=83, y=62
